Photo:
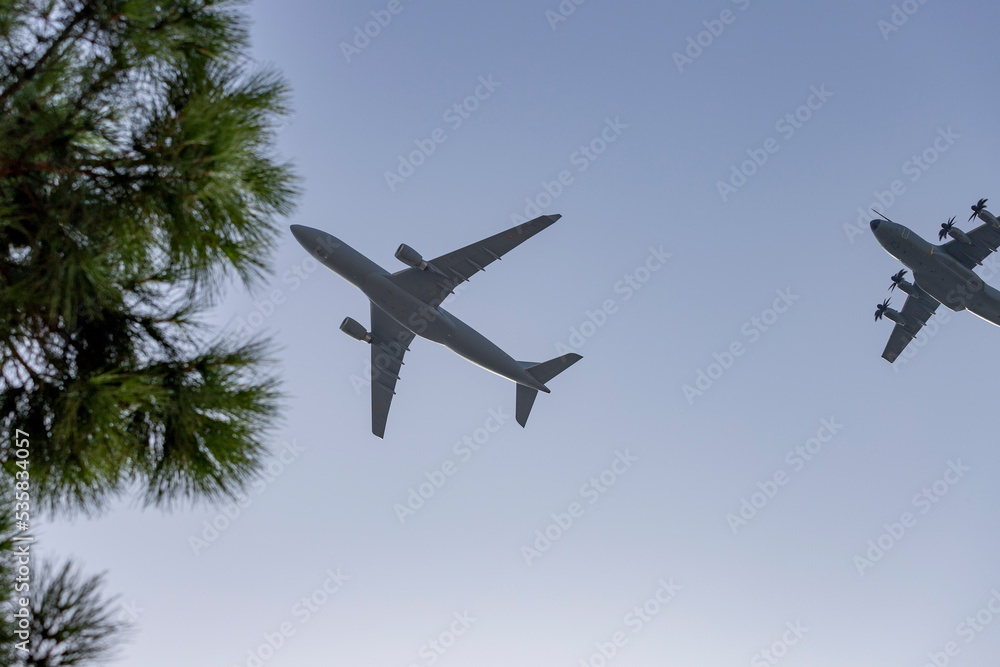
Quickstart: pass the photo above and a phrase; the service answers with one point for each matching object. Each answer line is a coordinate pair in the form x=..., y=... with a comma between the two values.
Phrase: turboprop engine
x=901, y=283
x=979, y=209
x=949, y=229
x=883, y=309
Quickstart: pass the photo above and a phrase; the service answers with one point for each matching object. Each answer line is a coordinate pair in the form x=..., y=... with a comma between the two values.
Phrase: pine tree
x=52, y=616
x=8, y=577
x=71, y=623
x=137, y=178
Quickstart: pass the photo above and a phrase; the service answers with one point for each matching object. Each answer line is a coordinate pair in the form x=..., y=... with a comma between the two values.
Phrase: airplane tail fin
x=542, y=372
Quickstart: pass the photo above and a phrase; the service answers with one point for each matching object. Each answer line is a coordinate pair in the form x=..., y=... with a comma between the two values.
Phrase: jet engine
x=410, y=257
x=354, y=329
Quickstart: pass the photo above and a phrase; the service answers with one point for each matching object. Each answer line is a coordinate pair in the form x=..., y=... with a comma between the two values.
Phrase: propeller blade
x=897, y=278
x=978, y=208
x=946, y=227
x=880, y=309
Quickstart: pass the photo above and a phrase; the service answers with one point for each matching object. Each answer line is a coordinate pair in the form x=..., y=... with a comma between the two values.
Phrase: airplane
x=408, y=303
x=941, y=274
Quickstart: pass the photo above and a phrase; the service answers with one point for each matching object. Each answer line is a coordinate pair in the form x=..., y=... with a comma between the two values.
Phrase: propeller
x=978, y=208
x=896, y=279
x=945, y=228
x=880, y=309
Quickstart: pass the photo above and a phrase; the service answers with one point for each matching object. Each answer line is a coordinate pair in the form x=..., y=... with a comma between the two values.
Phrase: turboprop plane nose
x=875, y=224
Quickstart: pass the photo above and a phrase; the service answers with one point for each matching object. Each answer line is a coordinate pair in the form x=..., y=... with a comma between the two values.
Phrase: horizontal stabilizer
x=542, y=372
x=547, y=370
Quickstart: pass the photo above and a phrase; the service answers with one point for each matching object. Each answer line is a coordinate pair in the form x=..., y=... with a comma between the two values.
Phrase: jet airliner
x=941, y=274
x=408, y=303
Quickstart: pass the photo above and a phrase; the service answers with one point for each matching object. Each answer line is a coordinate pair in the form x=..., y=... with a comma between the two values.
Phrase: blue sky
x=822, y=109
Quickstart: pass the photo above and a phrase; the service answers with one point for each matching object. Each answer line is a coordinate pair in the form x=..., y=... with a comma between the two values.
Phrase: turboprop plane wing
x=985, y=240
x=916, y=311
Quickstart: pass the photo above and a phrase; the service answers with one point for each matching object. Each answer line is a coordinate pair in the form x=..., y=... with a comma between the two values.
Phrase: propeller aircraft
x=941, y=274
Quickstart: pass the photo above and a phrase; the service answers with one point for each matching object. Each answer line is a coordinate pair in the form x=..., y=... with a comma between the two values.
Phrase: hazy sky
x=735, y=146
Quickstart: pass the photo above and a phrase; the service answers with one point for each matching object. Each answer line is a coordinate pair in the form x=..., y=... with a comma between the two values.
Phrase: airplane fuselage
x=938, y=273
x=427, y=320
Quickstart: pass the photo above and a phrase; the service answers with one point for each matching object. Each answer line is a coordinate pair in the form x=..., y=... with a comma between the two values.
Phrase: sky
x=731, y=475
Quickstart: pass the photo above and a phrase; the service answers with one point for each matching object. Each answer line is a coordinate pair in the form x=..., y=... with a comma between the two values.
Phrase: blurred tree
x=71, y=624
x=137, y=174
x=8, y=572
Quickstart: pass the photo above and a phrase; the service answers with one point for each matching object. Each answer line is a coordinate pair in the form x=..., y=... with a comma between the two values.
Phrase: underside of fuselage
x=438, y=325
x=407, y=303
x=939, y=274
x=422, y=318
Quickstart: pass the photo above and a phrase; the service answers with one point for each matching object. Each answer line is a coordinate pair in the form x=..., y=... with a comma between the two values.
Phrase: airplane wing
x=985, y=239
x=916, y=311
x=458, y=266
x=390, y=341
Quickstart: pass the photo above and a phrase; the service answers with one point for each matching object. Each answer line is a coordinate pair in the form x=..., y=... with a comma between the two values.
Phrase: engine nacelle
x=905, y=286
x=354, y=329
x=989, y=218
x=410, y=257
x=959, y=235
x=895, y=316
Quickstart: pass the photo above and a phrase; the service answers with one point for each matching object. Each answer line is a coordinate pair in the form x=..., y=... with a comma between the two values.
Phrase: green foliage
x=71, y=624
x=8, y=571
x=136, y=176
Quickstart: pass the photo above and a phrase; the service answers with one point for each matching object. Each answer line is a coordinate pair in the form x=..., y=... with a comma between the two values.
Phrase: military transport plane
x=408, y=303
x=941, y=274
